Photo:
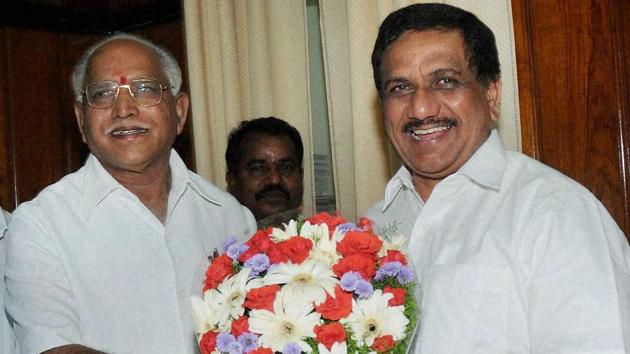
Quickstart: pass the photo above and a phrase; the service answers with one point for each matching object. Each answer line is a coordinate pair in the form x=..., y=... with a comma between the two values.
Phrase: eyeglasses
x=144, y=92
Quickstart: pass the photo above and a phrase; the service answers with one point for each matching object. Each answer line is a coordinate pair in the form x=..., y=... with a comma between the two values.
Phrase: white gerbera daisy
x=305, y=282
x=204, y=311
x=337, y=348
x=231, y=296
x=373, y=317
x=325, y=249
x=287, y=323
x=279, y=235
x=314, y=232
x=394, y=243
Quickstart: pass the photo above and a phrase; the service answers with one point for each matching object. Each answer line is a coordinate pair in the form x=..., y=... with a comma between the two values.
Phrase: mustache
x=272, y=188
x=415, y=123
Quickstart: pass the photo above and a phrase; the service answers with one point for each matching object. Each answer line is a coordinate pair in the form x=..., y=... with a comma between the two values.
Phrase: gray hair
x=166, y=58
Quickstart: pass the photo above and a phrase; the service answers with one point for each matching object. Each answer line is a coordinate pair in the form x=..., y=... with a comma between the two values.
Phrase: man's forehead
x=120, y=55
x=432, y=51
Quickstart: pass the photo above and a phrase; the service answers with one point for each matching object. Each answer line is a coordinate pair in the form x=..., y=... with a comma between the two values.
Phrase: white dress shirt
x=7, y=341
x=514, y=257
x=88, y=263
x=398, y=210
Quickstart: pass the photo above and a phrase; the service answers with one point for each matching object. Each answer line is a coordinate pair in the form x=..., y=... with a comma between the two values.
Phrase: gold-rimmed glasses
x=144, y=92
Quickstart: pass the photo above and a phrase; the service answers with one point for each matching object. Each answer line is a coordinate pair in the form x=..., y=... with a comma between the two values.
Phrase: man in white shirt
x=512, y=256
x=7, y=340
x=106, y=259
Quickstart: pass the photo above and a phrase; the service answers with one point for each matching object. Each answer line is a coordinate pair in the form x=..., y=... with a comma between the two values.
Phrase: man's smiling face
x=436, y=112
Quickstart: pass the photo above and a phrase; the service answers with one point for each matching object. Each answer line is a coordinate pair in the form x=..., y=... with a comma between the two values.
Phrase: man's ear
x=80, y=116
x=231, y=181
x=181, y=108
x=493, y=97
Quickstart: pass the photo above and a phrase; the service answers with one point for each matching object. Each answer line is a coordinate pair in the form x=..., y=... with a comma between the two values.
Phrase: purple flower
x=405, y=275
x=235, y=348
x=229, y=242
x=249, y=341
x=224, y=340
x=235, y=250
x=349, y=280
x=389, y=269
x=291, y=348
x=258, y=263
x=343, y=228
x=364, y=289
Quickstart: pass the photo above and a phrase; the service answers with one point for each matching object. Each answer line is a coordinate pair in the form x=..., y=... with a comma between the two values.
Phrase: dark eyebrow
x=397, y=80
x=444, y=71
x=254, y=162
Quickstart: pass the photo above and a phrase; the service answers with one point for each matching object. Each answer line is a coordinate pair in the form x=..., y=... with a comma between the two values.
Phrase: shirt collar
x=402, y=179
x=98, y=183
x=3, y=222
x=487, y=165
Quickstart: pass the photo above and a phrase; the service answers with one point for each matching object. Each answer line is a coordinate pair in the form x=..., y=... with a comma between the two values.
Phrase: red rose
x=220, y=268
x=330, y=333
x=261, y=351
x=357, y=262
x=325, y=218
x=296, y=248
x=359, y=242
x=399, y=295
x=240, y=326
x=335, y=308
x=208, y=342
x=276, y=255
x=384, y=343
x=259, y=243
x=393, y=256
x=365, y=224
x=261, y=298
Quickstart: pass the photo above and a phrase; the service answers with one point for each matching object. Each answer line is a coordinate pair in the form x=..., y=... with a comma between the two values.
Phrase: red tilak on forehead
x=123, y=80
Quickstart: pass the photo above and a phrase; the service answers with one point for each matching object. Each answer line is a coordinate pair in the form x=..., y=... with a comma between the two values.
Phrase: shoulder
x=223, y=202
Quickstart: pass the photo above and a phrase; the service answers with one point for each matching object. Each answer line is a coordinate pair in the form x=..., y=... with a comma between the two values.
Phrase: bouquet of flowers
x=318, y=285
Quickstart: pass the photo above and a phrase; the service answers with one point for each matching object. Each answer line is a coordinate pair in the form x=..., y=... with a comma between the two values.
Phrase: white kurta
x=88, y=263
x=7, y=341
x=514, y=257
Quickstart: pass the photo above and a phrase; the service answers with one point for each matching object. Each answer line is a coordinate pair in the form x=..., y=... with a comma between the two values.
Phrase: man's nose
x=124, y=106
x=424, y=104
x=274, y=176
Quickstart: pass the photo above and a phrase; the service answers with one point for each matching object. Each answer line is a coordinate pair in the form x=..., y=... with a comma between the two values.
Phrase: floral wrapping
x=319, y=285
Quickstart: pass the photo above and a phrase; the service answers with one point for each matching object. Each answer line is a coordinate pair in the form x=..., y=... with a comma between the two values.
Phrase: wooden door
x=573, y=76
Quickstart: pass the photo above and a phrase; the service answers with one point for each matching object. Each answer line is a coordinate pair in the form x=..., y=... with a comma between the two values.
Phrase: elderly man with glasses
x=106, y=259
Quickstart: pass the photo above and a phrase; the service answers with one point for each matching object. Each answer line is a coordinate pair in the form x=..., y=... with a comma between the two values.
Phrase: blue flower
x=235, y=348
x=291, y=348
x=389, y=269
x=343, y=228
x=249, y=341
x=224, y=340
x=350, y=280
x=235, y=250
x=364, y=289
x=405, y=275
x=258, y=263
x=229, y=242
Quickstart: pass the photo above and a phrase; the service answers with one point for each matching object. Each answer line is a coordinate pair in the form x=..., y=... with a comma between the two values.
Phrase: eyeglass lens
x=103, y=94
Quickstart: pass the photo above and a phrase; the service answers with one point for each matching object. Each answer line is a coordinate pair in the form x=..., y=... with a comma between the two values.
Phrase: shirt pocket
x=466, y=309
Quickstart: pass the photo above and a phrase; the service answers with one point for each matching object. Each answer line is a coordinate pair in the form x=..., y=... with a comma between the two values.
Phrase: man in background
x=264, y=169
x=511, y=255
x=106, y=259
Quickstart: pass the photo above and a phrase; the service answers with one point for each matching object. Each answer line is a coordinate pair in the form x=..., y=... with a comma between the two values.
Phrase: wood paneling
x=37, y=123
x=573, y=88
